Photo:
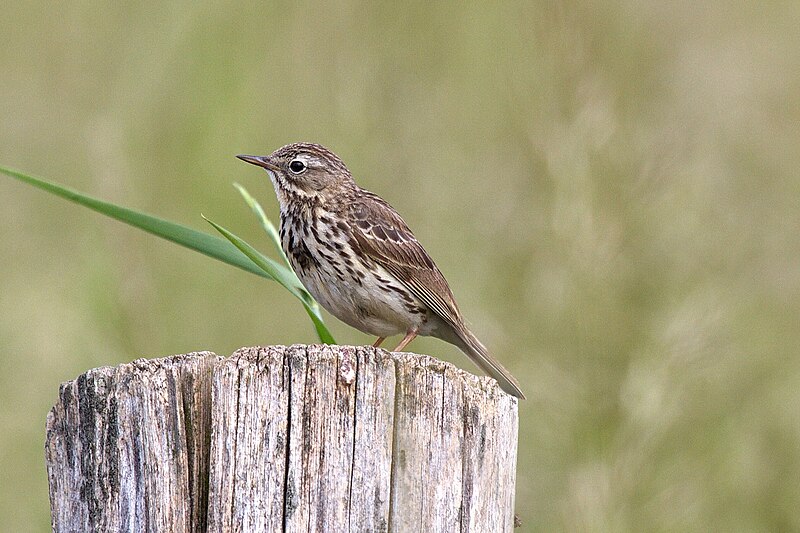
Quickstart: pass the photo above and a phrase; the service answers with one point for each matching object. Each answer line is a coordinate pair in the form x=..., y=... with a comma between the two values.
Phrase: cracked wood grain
x=127, y=447
x=298, y=438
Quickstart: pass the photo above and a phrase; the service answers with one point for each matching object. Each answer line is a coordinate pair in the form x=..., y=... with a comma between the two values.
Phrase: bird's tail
x=470, y=345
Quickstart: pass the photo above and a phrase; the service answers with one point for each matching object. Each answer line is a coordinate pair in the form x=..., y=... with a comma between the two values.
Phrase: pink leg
x=379, y=341
x=412, y=333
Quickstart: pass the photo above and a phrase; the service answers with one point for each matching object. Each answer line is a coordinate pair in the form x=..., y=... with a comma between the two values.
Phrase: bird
x=358, y=258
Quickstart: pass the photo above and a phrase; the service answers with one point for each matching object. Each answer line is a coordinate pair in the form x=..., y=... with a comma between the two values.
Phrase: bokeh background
x=610, y=187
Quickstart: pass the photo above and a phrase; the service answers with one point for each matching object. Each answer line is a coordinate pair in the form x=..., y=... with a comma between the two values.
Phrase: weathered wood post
x=299, y=438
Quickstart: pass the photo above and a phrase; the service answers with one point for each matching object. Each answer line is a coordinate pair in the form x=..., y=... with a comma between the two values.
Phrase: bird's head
x=303, y=170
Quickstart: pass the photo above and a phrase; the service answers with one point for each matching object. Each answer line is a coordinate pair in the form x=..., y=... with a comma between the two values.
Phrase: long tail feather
x=470, y=345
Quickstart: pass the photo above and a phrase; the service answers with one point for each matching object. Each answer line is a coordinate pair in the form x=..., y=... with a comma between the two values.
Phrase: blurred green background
x=610, y=187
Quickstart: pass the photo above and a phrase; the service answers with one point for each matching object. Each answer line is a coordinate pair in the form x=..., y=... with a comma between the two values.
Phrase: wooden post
x=299, y=438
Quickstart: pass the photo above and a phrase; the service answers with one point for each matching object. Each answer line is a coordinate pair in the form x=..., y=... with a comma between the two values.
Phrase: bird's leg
x=412, y=333
x=378, y=342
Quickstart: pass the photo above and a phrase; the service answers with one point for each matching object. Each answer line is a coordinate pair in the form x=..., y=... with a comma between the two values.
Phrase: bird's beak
x=259, y=161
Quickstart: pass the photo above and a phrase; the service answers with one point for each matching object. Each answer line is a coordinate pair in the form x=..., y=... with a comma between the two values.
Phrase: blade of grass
x=272, y=233
x=279, y=274
x=266, y=223
x=224, y=250
x=204, y=243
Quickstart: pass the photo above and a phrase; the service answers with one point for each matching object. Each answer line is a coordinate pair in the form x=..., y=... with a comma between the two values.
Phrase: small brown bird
x=358, y=258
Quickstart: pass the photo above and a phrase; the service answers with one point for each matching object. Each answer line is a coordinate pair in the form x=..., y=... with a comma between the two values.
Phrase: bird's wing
x=381, y=234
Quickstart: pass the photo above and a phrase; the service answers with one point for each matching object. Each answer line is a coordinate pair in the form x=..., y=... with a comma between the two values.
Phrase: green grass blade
x=272, y=233
x=280, y=274
x=266, y=223
x=204, y=243
x=233, y=251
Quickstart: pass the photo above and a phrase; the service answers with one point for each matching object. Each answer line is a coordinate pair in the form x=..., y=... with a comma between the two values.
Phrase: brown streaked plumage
x=359, y=259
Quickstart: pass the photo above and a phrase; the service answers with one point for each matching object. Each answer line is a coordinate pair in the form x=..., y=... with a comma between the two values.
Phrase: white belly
x=367, y=307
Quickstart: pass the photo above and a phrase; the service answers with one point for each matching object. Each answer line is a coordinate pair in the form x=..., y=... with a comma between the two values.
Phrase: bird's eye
x=297, y=166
